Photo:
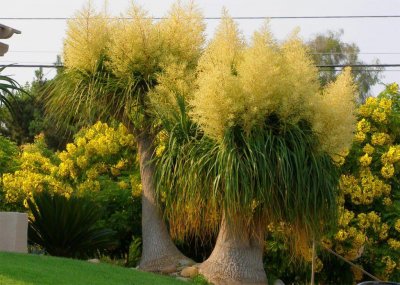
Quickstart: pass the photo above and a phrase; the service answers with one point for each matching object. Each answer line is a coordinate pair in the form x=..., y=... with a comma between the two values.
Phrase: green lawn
x=25, y=269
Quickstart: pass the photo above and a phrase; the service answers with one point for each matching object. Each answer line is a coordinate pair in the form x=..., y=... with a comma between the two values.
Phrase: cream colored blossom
x=334, y=119
x=88, y=34
x=241, y=85
x=135, y=46
x=182, y=34
x=219, y=98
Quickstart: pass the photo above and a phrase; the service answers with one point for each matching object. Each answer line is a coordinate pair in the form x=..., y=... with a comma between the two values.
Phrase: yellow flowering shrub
x=369, y=209
x=97, y=152
x=36, y=173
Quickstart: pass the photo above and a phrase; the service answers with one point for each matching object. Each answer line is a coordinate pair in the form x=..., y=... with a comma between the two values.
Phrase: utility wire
x=358, y=65
x=319, y=66
x=318, y=53
x=218, y=18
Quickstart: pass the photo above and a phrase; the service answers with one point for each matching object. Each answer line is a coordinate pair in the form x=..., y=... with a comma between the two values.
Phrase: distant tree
x=329, y=49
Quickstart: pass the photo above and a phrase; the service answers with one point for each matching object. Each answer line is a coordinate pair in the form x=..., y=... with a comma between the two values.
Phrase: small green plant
x=135, y=251
x=67, y=227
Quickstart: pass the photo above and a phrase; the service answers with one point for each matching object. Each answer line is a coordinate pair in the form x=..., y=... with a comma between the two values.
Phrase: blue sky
x=41, y=41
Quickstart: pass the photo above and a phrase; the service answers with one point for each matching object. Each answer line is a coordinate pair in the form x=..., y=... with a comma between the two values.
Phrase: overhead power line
x=235, y=18
x=319, y=53
x=319, y=66
x=359, y=65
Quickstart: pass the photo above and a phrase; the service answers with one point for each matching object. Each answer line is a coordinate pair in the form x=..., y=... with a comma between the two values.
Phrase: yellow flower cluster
x=393, y=88
x=369, y=149
x=345, y=217
x=392, y=155
x=368, y=108
x=241, y=84
x=387, y=171
x=90, y=150
x=363, y=126
x=364, y=190
x=97, y=150
x=390, y=264
x=36, y=174
x=380, y=139
x=395, y=244
x=365, y=160
x=374, y=183
x=377, y=110
x=383, y=234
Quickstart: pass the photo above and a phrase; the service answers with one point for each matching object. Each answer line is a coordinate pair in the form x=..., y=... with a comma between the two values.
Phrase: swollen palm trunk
x=236, y=258
x=158, y=251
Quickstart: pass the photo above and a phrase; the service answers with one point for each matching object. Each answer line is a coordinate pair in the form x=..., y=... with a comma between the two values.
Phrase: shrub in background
x=67, y=226
x=97, y=166
x=8, y=163
x=101, y=164
x=38, y=166
x=369, y=206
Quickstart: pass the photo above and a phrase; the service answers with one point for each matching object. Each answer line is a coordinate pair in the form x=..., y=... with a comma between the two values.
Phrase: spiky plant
x=259, y=147
x=67, y=227
x=7, y=86
x=111, y=69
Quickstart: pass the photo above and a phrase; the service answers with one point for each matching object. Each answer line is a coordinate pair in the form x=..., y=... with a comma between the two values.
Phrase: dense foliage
x=368, y=227
x=369, y=221
x=97, y=165
x=67, y=227
x=8, y=163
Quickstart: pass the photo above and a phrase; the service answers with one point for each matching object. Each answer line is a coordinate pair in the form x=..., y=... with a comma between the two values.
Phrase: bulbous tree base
x=236, y=259
x=234, y=270
x=158, y=250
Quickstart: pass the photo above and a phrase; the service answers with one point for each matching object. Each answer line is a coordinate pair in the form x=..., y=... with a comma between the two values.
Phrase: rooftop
x=5, y=33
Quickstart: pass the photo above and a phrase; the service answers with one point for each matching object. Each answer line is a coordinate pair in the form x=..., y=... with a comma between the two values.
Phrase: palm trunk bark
x=236, y=258
x=158, y=250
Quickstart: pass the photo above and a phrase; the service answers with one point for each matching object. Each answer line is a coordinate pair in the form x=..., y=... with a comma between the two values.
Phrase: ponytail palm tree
x=255, y=144
x=111, y=69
